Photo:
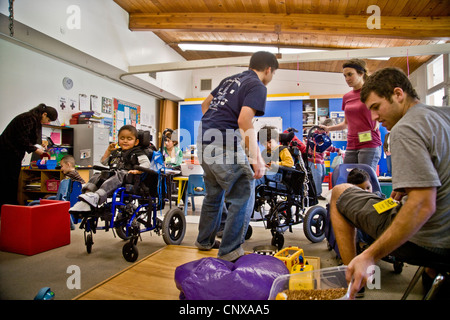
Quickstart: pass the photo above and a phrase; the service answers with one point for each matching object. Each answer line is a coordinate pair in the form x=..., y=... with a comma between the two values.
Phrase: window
x=435, y=72
x=435, y=99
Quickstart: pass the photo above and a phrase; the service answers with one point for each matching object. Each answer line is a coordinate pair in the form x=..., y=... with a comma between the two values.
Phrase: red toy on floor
x=33, y=229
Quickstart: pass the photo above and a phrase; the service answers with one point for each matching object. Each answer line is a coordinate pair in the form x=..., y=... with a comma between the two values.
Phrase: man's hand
x=259, y=167
x=357, y=272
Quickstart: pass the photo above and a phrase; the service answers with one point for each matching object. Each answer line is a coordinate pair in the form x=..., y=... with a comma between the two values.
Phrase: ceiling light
x=241, y=48
x=250, y=49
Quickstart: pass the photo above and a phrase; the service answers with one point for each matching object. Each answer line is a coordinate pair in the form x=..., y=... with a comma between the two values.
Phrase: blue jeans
x=318, y=173
x=227, y=173
x=369, y=156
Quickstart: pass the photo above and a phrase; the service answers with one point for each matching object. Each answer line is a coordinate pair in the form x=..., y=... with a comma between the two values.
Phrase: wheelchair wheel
x=278, y=240
x=130, y=252
x=249, y=233
x=314, y=224
x=88, y=241
x=174, y=226
x=120, y=226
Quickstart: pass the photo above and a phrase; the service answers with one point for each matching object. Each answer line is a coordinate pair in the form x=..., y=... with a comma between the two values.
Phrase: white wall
x=284, y=81
x=103, y=34
x=28, y=78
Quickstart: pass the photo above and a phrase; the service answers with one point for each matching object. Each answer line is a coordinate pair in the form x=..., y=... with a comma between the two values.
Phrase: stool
x=443, y=274
x=30, y=230
x=182, y=183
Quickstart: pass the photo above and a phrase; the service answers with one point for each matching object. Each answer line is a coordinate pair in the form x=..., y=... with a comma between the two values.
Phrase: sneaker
x=90, y=198
x=216, y=245
x=80, y=206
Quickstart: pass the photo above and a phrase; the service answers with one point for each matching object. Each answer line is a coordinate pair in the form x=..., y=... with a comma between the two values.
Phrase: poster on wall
x=84, y=103
x=95, y=104
x=106, y=105
x=62, y=104
x=125, y=113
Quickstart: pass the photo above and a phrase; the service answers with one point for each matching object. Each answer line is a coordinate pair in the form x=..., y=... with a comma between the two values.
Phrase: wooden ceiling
x=324, y=24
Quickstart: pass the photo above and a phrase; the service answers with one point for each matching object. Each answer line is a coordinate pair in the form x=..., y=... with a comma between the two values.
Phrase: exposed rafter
x=293, y=58
x=355, y=25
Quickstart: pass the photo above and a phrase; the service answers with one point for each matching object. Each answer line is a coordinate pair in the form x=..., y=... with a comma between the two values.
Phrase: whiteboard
x=259, y=122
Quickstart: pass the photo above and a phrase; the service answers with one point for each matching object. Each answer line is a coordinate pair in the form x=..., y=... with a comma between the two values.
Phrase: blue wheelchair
x=134, y=206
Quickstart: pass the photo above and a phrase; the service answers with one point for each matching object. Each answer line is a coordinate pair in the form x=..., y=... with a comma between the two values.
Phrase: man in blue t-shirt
x=227, y=120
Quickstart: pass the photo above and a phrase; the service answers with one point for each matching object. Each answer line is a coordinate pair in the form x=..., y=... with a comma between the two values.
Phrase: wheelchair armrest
x=147, y=170
x=99, y=168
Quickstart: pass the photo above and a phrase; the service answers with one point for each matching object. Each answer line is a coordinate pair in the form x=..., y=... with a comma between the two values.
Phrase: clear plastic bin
x=328, y=278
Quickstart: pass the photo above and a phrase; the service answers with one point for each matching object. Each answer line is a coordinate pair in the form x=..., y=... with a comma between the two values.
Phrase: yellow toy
x=291, y=256
x=294, y=260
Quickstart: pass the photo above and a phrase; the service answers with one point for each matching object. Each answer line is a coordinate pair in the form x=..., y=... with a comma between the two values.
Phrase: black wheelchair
x=133, y=208
x=288, y=199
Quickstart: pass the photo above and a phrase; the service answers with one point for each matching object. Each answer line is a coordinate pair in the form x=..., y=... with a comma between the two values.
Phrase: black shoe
x=321, y=198
x=361, y=292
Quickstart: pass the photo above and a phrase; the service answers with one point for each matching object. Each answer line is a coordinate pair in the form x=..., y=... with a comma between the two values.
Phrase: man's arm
x=249, y=135
x=418, y=208
x=206, y=103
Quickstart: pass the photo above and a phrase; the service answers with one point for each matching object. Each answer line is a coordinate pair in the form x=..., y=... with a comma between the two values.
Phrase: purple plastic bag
x=250, y=278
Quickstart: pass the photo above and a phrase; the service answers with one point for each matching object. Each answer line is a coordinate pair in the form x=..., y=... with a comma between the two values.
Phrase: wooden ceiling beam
x=295, y=58
x=355, y=25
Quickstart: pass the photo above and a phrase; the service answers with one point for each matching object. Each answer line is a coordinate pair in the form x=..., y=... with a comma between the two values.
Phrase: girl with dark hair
x=363, y=136
x=21, y=135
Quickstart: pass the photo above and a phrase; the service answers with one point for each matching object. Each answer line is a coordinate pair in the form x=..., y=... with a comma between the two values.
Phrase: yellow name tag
x=365, y=136
x=385, y=205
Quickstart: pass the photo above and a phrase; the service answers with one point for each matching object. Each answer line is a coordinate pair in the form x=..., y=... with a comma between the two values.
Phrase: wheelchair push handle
x=312, y=129
x=99, y=168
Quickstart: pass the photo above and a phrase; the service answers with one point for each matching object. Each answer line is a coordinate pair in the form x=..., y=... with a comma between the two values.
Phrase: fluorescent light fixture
x=250, y=49
x=240, y=48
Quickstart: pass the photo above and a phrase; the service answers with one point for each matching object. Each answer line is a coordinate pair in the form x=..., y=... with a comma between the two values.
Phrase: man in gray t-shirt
x=419, y=226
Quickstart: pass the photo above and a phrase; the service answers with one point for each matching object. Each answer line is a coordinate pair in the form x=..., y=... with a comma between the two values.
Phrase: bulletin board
x=125, y=113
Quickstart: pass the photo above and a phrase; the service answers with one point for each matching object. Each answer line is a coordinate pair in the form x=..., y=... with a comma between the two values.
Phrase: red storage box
x=33, y=229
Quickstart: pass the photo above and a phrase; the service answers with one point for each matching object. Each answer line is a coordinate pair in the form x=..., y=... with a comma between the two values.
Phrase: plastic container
x=46, y=164
x=52, y=185
x=328, y=278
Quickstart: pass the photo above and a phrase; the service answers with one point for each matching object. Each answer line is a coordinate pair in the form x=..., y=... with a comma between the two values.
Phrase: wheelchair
x=133, y=207
x=289, y=198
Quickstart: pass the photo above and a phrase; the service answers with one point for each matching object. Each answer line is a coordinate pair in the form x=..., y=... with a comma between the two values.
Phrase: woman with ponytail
x=21, y=135
x=363, y=136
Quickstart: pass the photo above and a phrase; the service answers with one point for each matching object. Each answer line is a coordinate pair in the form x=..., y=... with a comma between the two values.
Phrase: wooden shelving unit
x=33, y=183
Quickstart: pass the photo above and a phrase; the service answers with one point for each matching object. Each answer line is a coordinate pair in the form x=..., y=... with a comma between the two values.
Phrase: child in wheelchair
x=275, y=155
x=121, y=161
